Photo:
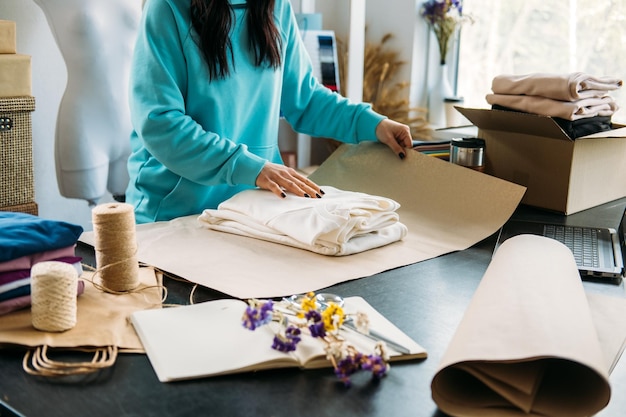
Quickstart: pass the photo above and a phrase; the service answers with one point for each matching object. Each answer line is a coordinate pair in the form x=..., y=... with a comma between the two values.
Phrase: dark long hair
x=213, y=21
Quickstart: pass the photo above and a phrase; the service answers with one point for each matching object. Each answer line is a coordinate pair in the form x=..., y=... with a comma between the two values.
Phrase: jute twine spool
x=53, y=296
x=116, y=246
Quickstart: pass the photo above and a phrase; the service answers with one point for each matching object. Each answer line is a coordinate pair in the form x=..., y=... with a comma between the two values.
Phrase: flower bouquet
x=295, y=317
x=444, y=17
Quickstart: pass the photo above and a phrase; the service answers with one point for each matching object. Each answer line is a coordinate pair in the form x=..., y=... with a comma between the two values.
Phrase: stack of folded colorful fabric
x=581, y=102
x=24, y=241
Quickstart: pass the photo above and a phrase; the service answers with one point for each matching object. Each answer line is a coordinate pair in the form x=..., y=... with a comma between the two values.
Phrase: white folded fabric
x=565, y=87
x=569, y=110
x=340, y=223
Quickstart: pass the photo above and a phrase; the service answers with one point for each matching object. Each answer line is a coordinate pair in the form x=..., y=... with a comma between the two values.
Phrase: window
x=555, y=36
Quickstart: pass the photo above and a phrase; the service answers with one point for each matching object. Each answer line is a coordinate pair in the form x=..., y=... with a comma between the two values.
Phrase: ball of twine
x=116, y=246
x=53, y=296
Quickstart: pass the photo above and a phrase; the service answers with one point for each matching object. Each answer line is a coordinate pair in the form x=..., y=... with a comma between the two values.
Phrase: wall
x=48, y=83
x=49, y=77
x=398, y=17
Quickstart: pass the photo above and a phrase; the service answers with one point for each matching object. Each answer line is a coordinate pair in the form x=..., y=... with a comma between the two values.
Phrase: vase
x=437, y=96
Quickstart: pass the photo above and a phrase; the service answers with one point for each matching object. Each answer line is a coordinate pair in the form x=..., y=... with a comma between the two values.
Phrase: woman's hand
x=395, y=135
x=280, y=179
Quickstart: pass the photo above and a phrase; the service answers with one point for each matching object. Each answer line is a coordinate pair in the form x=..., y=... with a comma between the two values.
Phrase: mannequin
x=96, y=39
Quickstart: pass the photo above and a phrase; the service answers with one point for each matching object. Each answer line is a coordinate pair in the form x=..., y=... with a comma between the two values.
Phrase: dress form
x=96, y=39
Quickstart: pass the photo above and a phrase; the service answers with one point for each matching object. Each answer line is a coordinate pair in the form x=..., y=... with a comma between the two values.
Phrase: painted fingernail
x=401, y=155
x=317, y=195
x=283, y=195
x=322, y=191
x=306, y=195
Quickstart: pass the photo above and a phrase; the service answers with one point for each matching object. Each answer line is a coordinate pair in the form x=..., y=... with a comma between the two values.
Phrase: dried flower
x=443, y=17
x=257, y=314
x=321, y=322
x=287, y=340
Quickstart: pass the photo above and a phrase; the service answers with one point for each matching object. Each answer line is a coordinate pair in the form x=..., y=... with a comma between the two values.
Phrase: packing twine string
x=118, y=269
x=115, y=247
x=53, y=296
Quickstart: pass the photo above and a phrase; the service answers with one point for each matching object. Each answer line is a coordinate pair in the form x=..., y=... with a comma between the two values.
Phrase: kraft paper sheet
x=531, y=343
x=444, y=206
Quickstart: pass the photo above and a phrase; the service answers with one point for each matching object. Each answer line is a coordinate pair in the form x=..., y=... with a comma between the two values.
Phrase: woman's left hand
x=395, y=135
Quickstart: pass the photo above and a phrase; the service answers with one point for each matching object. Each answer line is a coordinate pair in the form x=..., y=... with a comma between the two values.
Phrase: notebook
x=207, y=339
x=599, y=252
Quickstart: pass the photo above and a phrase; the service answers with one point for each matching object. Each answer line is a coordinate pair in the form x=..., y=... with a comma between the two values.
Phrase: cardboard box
x=15, y=75
x=16, y=151
x=561, y=174
x=8, y=42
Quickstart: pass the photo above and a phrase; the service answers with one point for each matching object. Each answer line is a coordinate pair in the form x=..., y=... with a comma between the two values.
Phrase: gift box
x=7, y=37
x=16, y=151
x=15, y=75
x=560, y=173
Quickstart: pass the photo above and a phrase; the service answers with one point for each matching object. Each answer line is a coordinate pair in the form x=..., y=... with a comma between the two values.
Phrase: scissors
x=325, y=299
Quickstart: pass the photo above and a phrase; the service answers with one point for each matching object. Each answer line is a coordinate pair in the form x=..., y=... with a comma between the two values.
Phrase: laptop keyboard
x=583, y=242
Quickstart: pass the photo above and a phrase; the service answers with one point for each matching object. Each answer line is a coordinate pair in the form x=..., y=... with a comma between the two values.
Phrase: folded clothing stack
x=340, y=223
x=569, y=97
x=24, y=241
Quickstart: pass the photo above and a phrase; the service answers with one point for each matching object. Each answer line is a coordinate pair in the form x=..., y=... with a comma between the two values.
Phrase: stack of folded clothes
x=340, y=223
x=24, y=241
x=580, y=103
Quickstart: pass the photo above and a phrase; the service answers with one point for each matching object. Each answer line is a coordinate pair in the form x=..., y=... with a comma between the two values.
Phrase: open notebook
x=208, y=339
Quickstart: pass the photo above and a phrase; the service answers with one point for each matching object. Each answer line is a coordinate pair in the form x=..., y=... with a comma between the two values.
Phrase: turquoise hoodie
x=197, y=142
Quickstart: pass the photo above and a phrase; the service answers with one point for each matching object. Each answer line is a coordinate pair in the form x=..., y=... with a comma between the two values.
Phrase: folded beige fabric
x=530, y=343
x=569, y=110
x=340, y=223
x=564, y=87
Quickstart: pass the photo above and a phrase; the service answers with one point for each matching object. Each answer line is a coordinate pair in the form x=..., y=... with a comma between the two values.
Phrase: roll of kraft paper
x=53, y=296
x=115, y=245
x=527, y=344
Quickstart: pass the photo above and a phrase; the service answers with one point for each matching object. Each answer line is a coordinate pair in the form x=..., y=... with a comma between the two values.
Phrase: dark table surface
x=426, y=300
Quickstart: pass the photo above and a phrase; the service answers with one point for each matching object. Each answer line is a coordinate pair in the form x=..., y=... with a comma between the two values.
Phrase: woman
x=209, y=81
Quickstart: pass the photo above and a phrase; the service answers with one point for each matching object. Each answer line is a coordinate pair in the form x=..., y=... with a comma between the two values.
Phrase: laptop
x=599, y=252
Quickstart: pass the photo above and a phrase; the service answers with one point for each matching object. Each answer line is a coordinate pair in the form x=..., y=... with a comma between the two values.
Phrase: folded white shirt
x=340, y=223
x=569, y=110
x=564, y=87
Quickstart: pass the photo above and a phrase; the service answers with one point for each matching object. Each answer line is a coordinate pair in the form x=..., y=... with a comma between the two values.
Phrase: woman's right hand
x=281, y=179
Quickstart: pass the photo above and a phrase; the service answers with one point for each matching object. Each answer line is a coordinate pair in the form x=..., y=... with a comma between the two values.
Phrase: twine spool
x=116, y=246
x=53, y=296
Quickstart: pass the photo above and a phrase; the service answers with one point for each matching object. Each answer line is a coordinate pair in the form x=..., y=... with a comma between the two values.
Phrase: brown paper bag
x=103, y=327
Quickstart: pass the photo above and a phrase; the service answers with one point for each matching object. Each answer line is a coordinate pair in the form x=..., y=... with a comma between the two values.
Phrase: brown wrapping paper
x=15, y=75
x=445, y=207
x=102, y=319
x=531, y=342
x=7, y=37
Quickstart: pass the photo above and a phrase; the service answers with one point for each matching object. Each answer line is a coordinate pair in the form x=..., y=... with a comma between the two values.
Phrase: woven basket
x=29, y=208
x=16, y=151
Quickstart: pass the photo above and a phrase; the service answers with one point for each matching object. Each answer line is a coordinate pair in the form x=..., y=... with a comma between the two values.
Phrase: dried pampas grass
x=382, y=89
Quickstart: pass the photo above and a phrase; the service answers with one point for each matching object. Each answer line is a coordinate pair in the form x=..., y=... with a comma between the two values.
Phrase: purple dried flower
x=288, y=341
x=345, y=368
x=256, y=316
x=317, y=329
x=376, y=364
x=444, y=16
